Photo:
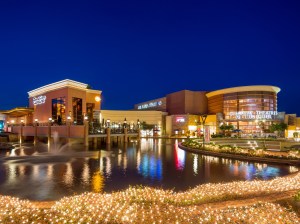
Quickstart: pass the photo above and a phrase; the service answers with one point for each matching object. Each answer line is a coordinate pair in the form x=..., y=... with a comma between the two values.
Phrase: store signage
x=180, y=119
x=149, y=105
x=39, y=100
x=207, y=134
x=255, y=115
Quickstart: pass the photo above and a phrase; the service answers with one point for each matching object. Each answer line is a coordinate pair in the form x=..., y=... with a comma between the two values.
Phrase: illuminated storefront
x=66, y=99
x=250, y=109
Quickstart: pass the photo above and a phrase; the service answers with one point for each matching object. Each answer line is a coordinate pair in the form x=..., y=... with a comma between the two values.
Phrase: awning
x=17, y=112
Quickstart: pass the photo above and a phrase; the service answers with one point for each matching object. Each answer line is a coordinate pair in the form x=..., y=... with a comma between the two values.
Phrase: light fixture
x=36, y=120
x=12, y=121
x=86, y=117
x=22, y=121
x=97, y=98
x=69, y=118
x=50, y=119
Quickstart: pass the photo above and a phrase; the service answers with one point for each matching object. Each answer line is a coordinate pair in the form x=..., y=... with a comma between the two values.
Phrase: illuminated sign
x=180, y=119
x=149, y=105
x=39, y=100
x=253, y=114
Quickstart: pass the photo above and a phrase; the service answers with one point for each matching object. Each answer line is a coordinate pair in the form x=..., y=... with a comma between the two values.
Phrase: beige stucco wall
x=150, y=117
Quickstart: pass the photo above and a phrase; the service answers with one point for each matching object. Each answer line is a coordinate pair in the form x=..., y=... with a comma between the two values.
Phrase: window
x=77, y=110
x=59, y=110
x=89, y=110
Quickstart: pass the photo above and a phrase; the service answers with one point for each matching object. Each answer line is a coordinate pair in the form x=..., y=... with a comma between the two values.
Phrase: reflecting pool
x=34, y=173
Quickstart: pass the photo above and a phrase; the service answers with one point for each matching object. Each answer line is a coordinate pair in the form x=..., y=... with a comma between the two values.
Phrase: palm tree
x=280, y=128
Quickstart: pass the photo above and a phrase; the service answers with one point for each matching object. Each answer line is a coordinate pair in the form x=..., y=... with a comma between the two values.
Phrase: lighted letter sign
x=180, y=119
x=254, y=115
x=39, y=100
x=151, y=104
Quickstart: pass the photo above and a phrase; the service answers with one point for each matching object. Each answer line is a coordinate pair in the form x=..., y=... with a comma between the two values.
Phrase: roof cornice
x=57, y=85
x=244, y=89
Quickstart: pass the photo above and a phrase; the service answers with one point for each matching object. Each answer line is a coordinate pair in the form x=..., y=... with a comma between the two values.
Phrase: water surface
x=35, y=173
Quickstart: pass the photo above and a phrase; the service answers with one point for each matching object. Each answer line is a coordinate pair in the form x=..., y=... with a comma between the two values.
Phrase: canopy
x=18, y=111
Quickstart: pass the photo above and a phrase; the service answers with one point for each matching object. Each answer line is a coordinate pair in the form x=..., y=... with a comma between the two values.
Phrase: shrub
x=297, y=196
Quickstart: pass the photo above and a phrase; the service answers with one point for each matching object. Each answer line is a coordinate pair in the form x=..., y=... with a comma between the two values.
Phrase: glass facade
x=251, y=112
x=59, y=110
x=249, y=101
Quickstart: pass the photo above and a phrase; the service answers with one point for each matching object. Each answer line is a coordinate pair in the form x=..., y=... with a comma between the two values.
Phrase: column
x=125, y=135
x=21, y=133
x=86, y=133
x=107, y=135
x=69, y=131
x=49, y=132
x=35, y=133
x=139, y=134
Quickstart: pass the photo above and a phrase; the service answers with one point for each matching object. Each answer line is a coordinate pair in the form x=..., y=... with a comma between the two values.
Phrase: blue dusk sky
x=135, y=51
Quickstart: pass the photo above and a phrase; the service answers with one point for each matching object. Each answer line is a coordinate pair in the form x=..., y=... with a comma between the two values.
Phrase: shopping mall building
x=250, y=109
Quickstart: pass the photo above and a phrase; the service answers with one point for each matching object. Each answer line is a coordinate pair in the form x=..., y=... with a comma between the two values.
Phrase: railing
x=98, y=128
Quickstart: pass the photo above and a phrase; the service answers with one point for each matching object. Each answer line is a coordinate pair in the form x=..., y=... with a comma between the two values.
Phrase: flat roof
x=244, y=89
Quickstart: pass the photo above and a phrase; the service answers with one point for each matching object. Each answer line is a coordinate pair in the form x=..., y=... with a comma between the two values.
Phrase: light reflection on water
x=32, y=173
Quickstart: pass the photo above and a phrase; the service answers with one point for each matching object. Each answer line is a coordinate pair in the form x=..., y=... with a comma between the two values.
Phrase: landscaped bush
x=297, y=196
x=230, y=149
x=217, y=136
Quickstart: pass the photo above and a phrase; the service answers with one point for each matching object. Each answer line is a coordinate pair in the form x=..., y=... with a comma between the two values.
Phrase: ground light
x=149, y=205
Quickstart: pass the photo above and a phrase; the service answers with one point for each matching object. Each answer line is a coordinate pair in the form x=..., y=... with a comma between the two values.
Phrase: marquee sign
x=149, y=105
x=254, y=115
x=39, y=100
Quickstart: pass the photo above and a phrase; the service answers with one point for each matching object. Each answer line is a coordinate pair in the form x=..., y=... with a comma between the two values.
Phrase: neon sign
x=39, y=100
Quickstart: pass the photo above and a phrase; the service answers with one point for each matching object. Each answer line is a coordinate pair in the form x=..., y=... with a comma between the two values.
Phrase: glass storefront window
x=89, y=110
x=77, y=110
x=59, y=110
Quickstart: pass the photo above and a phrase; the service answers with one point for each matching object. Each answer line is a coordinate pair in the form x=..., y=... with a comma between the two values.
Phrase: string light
x=150, y=205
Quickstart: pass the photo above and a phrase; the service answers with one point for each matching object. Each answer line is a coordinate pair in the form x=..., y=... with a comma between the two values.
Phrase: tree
x=280, y=128
x=145, y=126
x=226, y=128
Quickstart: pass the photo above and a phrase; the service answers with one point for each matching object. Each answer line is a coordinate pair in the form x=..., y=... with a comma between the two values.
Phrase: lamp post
x=49, y=130
x=125, y=130
x=86, y=130
x=138, y=123
x=108, y=131
x=203, y=119
x=125, y=123
x=138, y=129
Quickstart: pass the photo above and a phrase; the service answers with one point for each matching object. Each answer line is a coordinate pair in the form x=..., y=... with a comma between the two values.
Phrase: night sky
x=135, y=51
